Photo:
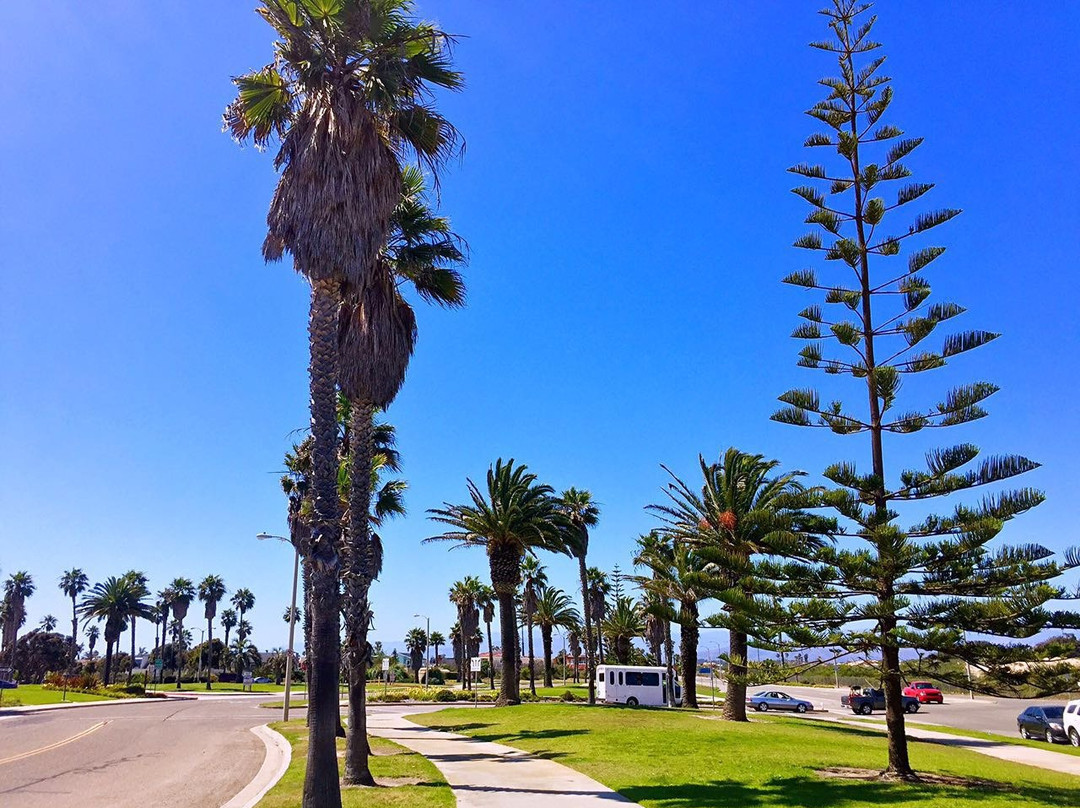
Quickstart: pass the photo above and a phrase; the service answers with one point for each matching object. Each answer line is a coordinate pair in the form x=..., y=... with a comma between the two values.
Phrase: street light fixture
x=292, y=621
x=427, y=638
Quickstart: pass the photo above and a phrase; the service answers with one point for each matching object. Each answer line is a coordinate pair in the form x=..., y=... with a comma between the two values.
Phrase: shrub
x=435, y=677
x=568, y=695
x=391, y=697
x=445, y=695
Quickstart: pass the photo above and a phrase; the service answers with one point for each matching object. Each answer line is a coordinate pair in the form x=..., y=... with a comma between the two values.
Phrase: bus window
x=600, y=676
x=650, y=679
x=611, y=677
x=620, y=677
x=634, y=679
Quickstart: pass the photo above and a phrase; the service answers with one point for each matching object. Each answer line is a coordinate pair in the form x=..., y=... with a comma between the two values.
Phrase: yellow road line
x=56, y=745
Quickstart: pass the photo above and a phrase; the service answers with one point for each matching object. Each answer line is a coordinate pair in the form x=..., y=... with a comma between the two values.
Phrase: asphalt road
x=174, y=754
x=982, y=713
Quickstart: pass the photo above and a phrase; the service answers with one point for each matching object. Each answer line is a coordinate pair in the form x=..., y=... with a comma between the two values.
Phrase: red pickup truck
x=925, y=692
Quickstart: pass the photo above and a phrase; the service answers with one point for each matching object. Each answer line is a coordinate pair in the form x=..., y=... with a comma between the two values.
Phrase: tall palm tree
x=291, y=613
x=622, y=626
x=416, y=643
x=554, y=608
x=514, y=515
x=181, y=593
x=742, y=509
x=228, y=622
x=48, y=623
x=164, y=611
x=347, y=96
x=676, y=569
x=486, y=601
x=110, y=601
x=17, y=588
x=533, y=579
x=583, y=513
x=140, y=591
x=243, y=600
x=211, y=591
x=599, y=588
x=73, y=583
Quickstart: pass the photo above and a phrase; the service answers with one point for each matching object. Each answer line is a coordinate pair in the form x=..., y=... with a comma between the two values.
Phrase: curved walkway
x=490, y=775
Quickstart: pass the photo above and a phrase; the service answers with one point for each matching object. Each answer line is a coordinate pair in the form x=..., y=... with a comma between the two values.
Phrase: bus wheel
x=631, y=702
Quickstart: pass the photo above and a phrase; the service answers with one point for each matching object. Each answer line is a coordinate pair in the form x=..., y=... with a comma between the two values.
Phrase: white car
x=1071, y=721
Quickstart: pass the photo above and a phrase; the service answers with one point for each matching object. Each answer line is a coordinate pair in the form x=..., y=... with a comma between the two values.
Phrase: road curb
x=275, y=764
x=37, y=708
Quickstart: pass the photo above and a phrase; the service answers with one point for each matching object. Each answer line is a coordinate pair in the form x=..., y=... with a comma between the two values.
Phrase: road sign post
x=385, y=675
x=474, y=666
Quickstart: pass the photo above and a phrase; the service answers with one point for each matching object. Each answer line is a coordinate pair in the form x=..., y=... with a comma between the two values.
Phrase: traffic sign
x=386, y=663
x=159, y=665
x=474, y=664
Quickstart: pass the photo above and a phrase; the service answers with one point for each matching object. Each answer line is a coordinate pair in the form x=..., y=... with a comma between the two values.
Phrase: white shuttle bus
x=633, y=685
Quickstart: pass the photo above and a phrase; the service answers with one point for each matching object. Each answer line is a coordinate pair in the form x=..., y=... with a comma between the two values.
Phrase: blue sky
x=625, y=199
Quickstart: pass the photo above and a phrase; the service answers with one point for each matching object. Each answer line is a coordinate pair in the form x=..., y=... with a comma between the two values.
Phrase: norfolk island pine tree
x=925, y=586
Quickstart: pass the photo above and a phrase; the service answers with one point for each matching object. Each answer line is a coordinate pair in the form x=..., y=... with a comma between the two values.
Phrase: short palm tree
x=211, y=591
x=573, y=639
x=742, y=509
x=48, y=623
x=675, y=569
x=583, y=513
x=437, y=640
x=533, y=580
x=111, y=601
x=623, y=624
x=17, y=588
x=416, y=643
x=164, y=610
x=514, y=515
x=140, y=591
x=554, y=608
x=228, y=622
x=92, y=634
x=291, y=614
x=73, y=583
x=465, y=595
x=181, y=593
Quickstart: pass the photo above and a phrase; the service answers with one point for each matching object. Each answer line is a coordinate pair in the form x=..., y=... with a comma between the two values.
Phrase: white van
x=633, y=685
x=1071, y=722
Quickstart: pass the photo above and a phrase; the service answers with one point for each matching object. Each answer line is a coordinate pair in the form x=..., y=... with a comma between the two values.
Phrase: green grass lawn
x=36, y=694
x=675, y=759
x=1068, y=749
x=227, y=687
x=410, y=779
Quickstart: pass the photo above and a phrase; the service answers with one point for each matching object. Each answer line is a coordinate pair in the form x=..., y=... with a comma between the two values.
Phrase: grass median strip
x=407, y=780
x=669, y=759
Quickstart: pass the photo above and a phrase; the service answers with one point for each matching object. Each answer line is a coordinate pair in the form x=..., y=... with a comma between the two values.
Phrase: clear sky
x=625, y=198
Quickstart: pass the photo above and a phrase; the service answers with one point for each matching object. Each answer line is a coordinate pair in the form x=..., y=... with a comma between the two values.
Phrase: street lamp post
x=202, y=642
x=292, y=622
x=427, y=645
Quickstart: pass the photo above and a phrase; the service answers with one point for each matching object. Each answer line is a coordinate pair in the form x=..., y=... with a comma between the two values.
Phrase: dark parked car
x=869, y=700
x=776, y=700
x=1043, y=722
x=5, y=684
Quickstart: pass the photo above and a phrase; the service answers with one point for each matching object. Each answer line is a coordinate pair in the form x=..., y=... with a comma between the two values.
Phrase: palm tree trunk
x=491, y=656
x=358, y=561
x=669, y=650
x=179, y=653
x=508, y=692
x=108, y=661
x=688, y=646
x=321, y=784
x=131, y=663
x=545, y=638
x=532, y=665
x=209, y=650
x=735, y=698
x=75, y=632
x=590, y=660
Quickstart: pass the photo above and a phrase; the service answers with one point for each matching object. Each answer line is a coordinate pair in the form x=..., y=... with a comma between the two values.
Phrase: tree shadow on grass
x=812, y=792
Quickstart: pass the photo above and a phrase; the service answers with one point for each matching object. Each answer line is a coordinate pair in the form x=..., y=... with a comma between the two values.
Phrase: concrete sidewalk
x=490, y=775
